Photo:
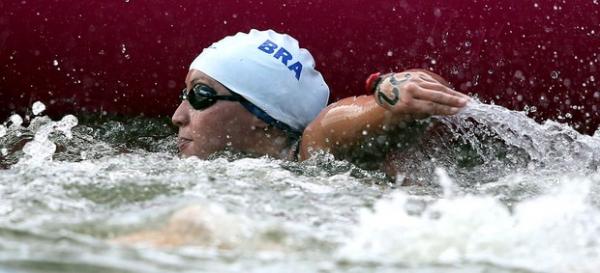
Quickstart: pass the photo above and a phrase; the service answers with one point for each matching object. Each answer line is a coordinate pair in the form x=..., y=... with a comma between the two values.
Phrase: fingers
x=427, y=78
x=430, y=107
x=419, y=94
x=436, y=96
x=440, y=87
x=427, y=82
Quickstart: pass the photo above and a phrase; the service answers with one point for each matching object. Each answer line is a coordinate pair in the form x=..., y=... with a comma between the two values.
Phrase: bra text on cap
x=269, y=47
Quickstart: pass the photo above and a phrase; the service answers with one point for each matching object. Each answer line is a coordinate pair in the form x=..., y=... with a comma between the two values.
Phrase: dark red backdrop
x=131, y=57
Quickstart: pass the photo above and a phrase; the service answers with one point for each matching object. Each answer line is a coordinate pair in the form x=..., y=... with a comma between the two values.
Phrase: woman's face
x=224, y=125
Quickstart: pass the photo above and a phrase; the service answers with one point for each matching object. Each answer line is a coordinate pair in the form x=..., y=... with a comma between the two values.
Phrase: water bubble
x=390, y=53
x=65, y=125
x=364, y=132
x=445, y=181
x=520, y=97
x=529, y=109
x=554, y=74
x=16, y=120
x=519, y=75
x=55, y=62
x=400, y=178
x=39, y=148
x=597, y=133
x=454, y=70
x=38, y=107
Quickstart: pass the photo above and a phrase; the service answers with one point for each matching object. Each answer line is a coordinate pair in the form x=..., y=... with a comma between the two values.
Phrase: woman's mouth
x=182, y=143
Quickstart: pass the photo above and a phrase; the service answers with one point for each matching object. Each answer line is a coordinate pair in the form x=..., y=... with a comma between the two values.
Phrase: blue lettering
x=296, y=67
x=268, y=47
x=284, y=54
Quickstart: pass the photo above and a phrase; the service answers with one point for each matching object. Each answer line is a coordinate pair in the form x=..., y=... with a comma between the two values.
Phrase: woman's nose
x=181, y=117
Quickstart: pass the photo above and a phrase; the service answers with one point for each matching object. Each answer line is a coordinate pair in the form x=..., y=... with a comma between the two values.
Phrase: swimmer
x=259, y=93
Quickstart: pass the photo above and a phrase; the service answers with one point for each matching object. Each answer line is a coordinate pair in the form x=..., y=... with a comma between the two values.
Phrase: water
x=490, y=191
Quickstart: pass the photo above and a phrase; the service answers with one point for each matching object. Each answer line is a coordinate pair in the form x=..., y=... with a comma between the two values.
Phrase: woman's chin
x=186, y=151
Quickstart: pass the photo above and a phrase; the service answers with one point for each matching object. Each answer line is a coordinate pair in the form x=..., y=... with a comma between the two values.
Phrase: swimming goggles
x=203, y=96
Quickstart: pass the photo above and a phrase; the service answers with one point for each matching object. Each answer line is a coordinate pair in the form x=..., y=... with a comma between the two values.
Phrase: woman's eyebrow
x=195, y=81
x=200, y=81
x=203, y=81
x=209, y=84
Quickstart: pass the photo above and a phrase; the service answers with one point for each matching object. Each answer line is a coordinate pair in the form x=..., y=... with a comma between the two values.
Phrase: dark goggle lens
x=201, y=96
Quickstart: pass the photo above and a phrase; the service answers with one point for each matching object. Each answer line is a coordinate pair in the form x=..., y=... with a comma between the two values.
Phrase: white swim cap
x=271, y=71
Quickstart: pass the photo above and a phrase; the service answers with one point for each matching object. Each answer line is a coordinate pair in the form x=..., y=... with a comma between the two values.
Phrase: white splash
x=66, y=124
x=38, y=107
x=445, y=181
x=41, y=148
x=556, y=232
x=15, y=121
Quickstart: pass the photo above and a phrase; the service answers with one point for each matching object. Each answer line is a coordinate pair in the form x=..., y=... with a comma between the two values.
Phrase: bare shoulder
x=340, y=124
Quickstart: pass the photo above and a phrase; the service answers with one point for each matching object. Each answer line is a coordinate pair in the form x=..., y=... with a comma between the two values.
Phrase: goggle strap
x=262, y=115
x=259, y=113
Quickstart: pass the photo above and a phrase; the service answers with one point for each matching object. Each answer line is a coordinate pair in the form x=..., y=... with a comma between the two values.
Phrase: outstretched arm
x=398, y=98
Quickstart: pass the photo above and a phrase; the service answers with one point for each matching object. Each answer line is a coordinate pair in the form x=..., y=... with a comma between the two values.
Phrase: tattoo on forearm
x=382, y=97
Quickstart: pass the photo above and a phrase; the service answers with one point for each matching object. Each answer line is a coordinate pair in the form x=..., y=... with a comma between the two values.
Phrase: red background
x=131, y=57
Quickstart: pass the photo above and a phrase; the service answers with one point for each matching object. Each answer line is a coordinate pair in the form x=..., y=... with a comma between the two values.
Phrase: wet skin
x=413, y=94
x=226, y=125
x=341, y=126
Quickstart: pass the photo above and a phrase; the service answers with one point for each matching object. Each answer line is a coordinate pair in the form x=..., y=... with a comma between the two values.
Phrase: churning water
x=491, y=191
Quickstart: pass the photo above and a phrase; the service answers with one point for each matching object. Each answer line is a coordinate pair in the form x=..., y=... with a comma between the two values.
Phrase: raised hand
x=417, y=93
